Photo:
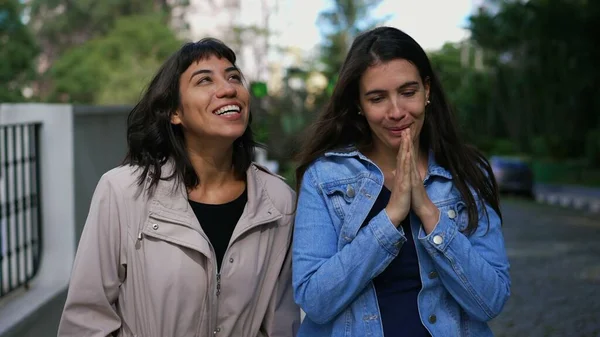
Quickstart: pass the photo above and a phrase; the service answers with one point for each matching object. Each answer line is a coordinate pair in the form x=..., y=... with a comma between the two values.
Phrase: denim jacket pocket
x=341, y=195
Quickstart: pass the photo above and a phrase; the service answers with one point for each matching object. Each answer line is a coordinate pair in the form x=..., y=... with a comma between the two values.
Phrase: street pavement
x=555, y=269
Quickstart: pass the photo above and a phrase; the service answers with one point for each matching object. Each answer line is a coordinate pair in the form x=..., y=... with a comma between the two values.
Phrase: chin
x=394, y=143
x=233, y=134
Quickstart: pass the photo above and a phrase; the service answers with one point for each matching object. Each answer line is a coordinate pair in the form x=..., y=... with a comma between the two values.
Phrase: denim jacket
x=465, y=279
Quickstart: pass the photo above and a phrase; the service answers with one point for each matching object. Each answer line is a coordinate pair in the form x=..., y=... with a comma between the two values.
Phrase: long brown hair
x=340, y=124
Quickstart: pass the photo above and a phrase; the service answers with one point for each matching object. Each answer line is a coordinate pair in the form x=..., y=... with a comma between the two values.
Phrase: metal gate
x=20, y=208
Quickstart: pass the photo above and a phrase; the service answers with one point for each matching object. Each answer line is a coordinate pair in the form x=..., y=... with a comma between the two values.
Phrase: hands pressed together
x=408, y=192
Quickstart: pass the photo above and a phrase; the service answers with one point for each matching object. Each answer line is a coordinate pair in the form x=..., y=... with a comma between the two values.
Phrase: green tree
x=469, y=93
x=113, y=69
x=543, y=58
x=60, y=25
x=18, y=51
x=340, y=25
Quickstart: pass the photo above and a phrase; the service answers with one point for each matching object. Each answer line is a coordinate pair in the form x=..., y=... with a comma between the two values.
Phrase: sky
x=430, y=22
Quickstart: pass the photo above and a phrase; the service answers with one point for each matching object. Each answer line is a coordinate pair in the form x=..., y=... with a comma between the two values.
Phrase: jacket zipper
x=212, y=323
x=213, y=305
x=218, y=284
x=214, y=317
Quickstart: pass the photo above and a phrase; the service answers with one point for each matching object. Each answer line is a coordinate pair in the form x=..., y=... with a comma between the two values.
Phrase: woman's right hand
x=399, y=205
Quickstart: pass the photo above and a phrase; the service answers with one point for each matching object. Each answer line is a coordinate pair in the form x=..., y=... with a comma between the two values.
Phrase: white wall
x=57, y=200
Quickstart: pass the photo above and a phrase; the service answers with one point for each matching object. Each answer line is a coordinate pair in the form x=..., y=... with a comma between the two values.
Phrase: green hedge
x=568, y=172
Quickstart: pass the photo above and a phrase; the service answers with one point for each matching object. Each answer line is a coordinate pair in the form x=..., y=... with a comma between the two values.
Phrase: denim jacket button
x=438, y=240
x=432, y=319
x=433, y=274
x=350, y=191
x=451, y=214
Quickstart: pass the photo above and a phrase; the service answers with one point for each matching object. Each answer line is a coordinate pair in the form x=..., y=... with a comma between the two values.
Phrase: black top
x=219, y=221
x=399, y=284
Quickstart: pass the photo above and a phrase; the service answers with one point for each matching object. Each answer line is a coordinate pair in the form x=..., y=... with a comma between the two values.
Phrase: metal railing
x=20, y=208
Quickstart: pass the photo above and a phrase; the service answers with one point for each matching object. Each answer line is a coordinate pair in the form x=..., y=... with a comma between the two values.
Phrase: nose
x=396, y=112
x=226, y=90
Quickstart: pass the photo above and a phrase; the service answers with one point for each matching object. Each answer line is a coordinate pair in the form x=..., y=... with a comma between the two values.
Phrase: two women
x=398, y=224
x=189, y=237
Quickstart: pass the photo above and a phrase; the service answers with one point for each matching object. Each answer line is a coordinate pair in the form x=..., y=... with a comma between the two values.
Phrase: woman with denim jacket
x=398, y=224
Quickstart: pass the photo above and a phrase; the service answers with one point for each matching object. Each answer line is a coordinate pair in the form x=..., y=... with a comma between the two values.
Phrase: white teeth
x=228, y=110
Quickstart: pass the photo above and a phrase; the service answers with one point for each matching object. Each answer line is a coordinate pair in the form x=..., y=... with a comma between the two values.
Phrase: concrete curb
x=567, y=200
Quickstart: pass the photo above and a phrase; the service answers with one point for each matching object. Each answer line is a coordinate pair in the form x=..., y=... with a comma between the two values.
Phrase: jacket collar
x=171, y=199
x=433, y=168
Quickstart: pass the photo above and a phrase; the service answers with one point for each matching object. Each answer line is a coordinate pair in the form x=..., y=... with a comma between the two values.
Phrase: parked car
x=513, y=174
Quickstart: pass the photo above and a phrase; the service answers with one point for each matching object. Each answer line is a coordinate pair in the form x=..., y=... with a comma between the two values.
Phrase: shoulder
x=122, y=181
x=276, y=187
x=335, y=167
x=124, y=175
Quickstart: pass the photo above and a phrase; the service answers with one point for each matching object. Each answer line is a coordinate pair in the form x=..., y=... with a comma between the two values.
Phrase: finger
x=406, y=165
x=401, y=153
x=415, y=168
x=415, y=175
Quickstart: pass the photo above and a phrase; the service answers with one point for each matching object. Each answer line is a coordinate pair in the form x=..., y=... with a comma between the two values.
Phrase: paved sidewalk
x=44, y=323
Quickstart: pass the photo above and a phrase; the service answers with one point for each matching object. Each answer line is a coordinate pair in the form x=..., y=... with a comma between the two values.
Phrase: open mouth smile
x=226, y=110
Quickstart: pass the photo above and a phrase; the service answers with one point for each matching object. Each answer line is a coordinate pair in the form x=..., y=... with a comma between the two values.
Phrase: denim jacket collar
x=433, y=168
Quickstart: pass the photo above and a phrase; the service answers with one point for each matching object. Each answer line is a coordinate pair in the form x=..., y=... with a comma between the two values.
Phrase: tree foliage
x=114, y=68
x=18, y=51
x=340, y=25
x=61, y=25
x=542, y=61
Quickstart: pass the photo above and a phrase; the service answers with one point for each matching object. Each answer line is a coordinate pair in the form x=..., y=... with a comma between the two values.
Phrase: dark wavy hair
x=151, y=137
x=340, y=124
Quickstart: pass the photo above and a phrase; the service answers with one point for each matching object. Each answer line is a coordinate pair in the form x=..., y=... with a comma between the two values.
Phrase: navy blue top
x=398, y=285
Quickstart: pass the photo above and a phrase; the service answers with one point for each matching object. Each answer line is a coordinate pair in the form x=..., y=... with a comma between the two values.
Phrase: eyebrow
x=206, y=71
x=381, y=91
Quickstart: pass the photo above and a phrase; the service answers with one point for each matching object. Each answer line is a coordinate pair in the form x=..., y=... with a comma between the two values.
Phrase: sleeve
x=326, y=281
x=283, y=315
x=474, y=269
x=97, y=271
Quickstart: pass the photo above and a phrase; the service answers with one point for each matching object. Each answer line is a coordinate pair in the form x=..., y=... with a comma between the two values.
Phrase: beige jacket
x=145, y=268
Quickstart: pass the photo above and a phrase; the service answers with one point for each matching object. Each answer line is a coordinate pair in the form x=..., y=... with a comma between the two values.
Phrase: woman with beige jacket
x=188, y=237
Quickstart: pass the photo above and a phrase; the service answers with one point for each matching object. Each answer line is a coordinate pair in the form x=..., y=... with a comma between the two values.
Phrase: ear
x=176, y=117
x=427, y=86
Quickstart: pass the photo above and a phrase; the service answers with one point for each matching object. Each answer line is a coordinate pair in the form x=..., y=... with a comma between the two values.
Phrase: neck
x=213, y=165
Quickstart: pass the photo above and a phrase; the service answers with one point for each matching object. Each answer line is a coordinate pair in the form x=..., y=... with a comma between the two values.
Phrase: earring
x=359, y=112
x=428, y=101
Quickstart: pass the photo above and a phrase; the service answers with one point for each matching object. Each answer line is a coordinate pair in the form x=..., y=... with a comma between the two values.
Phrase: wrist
x=395, y=219
x=429, y=217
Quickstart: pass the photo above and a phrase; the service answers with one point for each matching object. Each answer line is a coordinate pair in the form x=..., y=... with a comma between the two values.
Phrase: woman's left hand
x=423, y=207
